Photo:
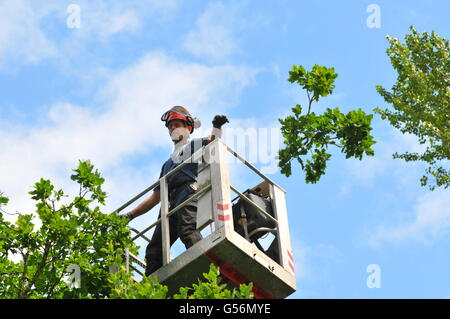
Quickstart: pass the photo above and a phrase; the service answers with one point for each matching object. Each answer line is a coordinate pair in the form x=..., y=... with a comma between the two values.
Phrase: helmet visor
x=171, y=115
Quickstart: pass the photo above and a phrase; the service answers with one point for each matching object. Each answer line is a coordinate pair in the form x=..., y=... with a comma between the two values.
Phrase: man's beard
x=179, y=134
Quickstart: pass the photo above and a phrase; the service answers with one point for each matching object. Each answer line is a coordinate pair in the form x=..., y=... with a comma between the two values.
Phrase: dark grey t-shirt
x=188, y=173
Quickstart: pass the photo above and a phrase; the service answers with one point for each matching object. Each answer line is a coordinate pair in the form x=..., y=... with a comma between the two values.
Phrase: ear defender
x=197, y=122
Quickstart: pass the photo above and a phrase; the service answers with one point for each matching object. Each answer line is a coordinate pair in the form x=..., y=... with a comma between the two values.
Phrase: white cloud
x=424, y=216
x=25, y=25
x=428, y=223
x=213, y=36
x=389, y=140
x=127, y=127
x=20, y=34
x=102, y=19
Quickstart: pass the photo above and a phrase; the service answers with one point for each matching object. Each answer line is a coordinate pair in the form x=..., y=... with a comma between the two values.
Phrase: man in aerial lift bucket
x=181, y=185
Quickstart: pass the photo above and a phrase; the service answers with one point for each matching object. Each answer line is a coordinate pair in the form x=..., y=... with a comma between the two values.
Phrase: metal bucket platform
x=239, y=260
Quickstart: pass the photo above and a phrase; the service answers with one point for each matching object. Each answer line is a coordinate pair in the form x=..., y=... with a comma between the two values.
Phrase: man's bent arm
x=216, y=133
x=217, y=123
x=147, y=204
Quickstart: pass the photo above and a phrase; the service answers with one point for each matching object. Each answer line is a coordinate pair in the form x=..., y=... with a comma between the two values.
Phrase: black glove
x=219, y=120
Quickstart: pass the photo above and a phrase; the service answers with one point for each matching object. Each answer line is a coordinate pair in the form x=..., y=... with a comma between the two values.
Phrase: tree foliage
x=68, y=234
x=213, y=288
x=421, y=100
x=308, y=135
x=37, y=257
x=210, y=287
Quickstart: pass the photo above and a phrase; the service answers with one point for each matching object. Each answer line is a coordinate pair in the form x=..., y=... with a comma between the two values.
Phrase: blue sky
x=97, y=92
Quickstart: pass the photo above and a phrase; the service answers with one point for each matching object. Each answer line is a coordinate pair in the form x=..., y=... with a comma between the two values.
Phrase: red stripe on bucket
x=290, y=255
x=223, y=206
x=236, y=277
x=291, y=266
x=223, y=218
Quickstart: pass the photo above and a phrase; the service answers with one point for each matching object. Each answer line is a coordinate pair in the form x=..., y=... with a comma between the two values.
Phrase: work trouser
x=182, y=224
